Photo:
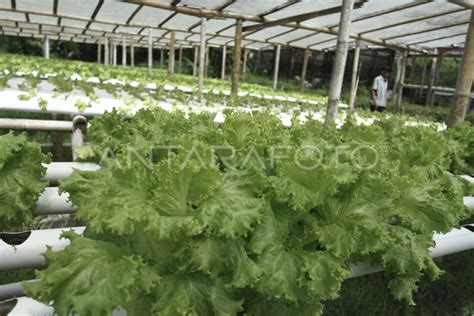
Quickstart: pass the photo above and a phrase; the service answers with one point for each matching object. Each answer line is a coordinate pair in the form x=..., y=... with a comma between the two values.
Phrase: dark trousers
x=374, y=108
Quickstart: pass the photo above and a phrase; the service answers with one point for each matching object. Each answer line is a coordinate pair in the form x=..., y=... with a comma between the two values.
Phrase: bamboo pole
x=337, y=75
x=224, y=53
x=307, y=54
x=150, y=51
x=423, y=76
x=398, y=102
x=276, y=68
x=162, y=58
x=46, y=47
x=124, y=52
x=180, y=60
x=462, y=96
x=195, y=60
x=355, y=75
x=114, y=52
x=236, y=63
x=202, y=56
x=132, y=54
x=206, y=68
x=99, y=53
x=432, y=77
x=111, y=52
x=106, y=50
x=171, y=54
x=244, y=70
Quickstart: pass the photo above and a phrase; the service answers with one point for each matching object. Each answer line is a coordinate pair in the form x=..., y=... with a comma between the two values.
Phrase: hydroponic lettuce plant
x=20, y=174
x=191, y=218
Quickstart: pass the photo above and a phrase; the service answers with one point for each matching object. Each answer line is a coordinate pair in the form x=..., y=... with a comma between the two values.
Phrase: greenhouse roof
x=312, y=24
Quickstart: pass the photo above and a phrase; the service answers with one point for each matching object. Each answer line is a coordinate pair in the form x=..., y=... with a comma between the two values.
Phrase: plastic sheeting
x=436, y=23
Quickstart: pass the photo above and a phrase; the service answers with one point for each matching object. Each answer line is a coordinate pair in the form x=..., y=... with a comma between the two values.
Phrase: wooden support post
x=413, y=64
x=429, y=91
x=46, y=47
x=114, y=52
x=423, y=76
x=99, y=53
x=236, y=63
x=398, y=61
x=150, y=51
x=202, y=56
x=132, y=55
x=462, y=96
x=180, y=60
x=307, y=54
x=244, y=70
x=224, y=53
x=337, y=75
x=401, y=83
x=439, y=62
x=195, y=60
x=111, y=52
x=124, y=52
x=207, y=62
x=355, y=75
x=276, y=68
x=106, y=50
x=162, y=58
x=171, y=54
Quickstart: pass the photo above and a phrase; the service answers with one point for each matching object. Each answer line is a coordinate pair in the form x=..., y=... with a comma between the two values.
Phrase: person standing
x=379, y=91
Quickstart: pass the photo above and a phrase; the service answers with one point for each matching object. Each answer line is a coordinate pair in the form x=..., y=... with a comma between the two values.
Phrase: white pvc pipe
x=469, y=202
x=468, y=178
x=29, y=254
x=28, y=306
x=456, y=240
x=51, y=202
x=11, y=290
x=36, y=125
x=60, y=170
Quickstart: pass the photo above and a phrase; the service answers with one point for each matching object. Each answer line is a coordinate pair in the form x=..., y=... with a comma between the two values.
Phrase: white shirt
x=380, y=86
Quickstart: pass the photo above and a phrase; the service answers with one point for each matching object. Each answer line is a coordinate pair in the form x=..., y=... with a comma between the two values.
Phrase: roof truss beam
x=300, y=17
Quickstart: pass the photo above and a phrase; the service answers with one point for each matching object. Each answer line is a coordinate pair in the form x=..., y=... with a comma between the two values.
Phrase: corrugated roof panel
x=43, y=6
x=215, y=25
x=303, y=7
x=116, y=12
x=8, y=23
x=311, y=40
x=101, y=26
x=423, y=25
x=268, y=32
x=178, y=35
x=181, y=21
x=405, y=15
x=252, y=7
x=434, y=34
x=128, y=30
x=285, y=38
x=29, y=26
x=82, y=8
x=51, y=28
x=13, y=16
x=154, y=32
x=94, y=33
x=74, y=23
x=445, y=42
x=7, y=4
x=150, y=16
x=70, y=30
x=43, y=19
